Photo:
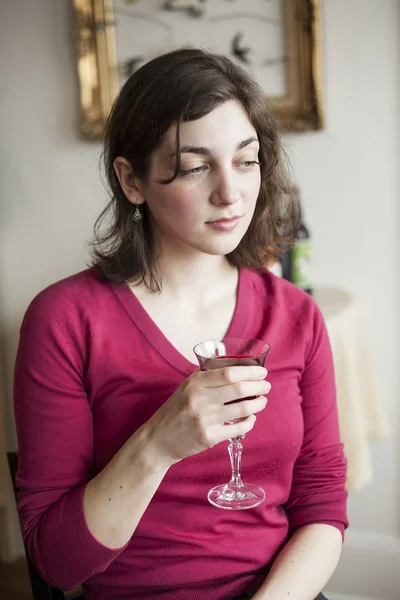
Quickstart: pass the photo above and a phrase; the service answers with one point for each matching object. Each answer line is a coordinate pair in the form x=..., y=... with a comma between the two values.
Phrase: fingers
x=229, y=375
x=244, y=409
x=239, y=390
x=238, y=429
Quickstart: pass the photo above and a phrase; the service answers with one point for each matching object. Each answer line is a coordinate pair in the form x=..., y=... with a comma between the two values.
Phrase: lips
x=225, y=220
x=224, y=224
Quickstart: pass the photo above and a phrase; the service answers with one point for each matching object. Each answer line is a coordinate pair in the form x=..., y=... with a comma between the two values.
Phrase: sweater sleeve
x=55, y=442
x=318, y=493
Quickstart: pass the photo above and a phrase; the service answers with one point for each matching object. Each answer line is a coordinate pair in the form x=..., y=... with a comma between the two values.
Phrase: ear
x=130, y=184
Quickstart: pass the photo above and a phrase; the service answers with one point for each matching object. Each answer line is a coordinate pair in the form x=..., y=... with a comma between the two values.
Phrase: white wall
x=50, y=194
x=349, y=175
x=50, y=191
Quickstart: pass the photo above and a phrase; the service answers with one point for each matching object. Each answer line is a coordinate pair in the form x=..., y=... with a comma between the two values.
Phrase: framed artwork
x=278, y=40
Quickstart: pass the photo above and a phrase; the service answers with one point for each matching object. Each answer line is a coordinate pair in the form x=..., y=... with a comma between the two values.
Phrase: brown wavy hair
x=180, y=86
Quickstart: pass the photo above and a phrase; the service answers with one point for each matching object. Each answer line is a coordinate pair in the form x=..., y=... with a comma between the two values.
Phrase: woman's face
x=209, y=206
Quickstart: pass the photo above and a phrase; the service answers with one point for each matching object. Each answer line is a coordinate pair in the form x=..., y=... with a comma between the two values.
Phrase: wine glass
x=227, y=352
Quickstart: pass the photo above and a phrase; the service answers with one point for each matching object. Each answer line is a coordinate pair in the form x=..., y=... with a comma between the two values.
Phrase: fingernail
x=262, y=372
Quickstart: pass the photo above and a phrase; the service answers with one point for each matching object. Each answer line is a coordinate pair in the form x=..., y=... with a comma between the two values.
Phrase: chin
x=221, y=248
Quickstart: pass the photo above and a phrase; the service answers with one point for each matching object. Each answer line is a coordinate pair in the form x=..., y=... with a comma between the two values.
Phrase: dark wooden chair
x=41, y=590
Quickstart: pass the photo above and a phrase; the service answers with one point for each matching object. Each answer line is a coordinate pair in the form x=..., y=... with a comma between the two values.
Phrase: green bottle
x=301, y=260
x=296, y=262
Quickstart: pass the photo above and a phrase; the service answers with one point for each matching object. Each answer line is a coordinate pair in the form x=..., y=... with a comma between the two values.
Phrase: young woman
x=119, y=433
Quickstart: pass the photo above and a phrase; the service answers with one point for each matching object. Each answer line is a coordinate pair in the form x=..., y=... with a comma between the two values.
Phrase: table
x=361, y=415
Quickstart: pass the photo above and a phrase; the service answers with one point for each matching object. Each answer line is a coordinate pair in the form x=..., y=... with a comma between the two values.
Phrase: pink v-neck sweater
x=92, y=367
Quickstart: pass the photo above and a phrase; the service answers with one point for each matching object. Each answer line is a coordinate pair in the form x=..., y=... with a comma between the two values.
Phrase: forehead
x=224, y=127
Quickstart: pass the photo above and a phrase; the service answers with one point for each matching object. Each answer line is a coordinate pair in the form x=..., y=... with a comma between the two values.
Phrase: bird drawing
x=238, y=50
x=194, y=7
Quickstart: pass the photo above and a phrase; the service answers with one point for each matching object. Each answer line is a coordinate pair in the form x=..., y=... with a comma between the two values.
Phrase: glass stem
x=235, y=449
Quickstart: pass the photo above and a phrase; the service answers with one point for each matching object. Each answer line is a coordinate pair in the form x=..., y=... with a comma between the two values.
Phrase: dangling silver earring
x=137, y=215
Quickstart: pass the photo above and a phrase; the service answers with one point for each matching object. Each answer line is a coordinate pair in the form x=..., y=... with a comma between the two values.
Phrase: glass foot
x=230, y=498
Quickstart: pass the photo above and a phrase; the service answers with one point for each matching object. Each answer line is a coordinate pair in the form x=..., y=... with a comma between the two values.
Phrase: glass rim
x=232, y=339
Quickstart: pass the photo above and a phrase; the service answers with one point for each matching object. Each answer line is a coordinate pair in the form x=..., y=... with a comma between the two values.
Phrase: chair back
x=41, y=590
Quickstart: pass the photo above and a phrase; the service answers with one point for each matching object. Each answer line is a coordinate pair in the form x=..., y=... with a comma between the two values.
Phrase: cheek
x=176, y=205
x=256, y=185
x=252, y=190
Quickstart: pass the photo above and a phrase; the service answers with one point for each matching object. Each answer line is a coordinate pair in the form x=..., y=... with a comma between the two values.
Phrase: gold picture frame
x=299, y=109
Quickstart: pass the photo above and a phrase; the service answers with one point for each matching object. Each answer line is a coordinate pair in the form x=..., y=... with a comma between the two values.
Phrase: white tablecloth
x=361, y=416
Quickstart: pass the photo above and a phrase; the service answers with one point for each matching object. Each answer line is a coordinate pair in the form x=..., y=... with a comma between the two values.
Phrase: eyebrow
x=208, y=152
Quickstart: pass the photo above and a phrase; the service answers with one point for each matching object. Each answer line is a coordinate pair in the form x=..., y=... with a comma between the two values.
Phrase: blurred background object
x=280, y=41
x=297, y=262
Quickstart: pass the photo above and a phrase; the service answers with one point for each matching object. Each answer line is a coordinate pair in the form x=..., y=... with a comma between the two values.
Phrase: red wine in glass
x=219, y=362
x=217, y=354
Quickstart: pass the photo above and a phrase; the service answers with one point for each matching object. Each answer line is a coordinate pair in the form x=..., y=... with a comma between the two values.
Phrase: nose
x=225, y=190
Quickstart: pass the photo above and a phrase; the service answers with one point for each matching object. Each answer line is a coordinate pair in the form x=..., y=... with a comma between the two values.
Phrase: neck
x=197, y=279
x=190, y=278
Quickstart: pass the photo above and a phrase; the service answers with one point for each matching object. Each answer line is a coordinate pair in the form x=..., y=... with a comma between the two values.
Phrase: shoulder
x=282, y=296
x=292, y=313
x=75, y=298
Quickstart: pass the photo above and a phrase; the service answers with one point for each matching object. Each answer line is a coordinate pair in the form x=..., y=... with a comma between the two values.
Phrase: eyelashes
x=249, y=163
x=193, y=171
x=246, y=165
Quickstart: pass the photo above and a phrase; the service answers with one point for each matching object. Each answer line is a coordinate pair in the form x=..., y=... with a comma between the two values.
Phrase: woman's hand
x=190, y=421
x=193, y=418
